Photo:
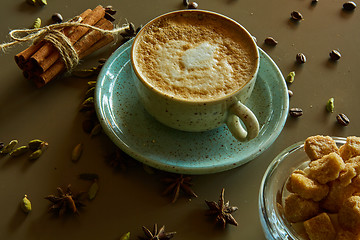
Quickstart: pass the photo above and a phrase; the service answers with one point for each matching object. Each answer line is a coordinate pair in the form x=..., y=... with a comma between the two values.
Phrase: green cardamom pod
x=96, y=130
x=90, y=92
x=35, y=155
x=91, y=84
x=88, y=102
x=25, y=204
x=97, y=69
x=37, y=144
x=125, y=236
x=42, y=2
x=87, y=105
x=19, y=151
x=8, y=148
x=84, y=73
x=37, y=23
x=76, y=153
x=94, y=188
x=330, y=105
x=290, y=77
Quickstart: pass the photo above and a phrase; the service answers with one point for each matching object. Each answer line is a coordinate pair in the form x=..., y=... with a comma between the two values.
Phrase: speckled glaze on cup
x=201, y=115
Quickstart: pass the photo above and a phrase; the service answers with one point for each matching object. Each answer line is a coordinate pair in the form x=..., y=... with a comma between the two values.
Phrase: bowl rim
x=269, y=228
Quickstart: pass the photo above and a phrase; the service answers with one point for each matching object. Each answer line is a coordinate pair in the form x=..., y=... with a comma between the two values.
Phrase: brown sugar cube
x=346, y=235
x=334, y=219
x=326, y=168
x=349, y=214
x=351, y=170
x=318, y=146
x=320, y=227
x=306, y=187
x=341, y=149
x=351, y=148
x=298, y=209
x=288, y=183
x=337, y=194
x=300, y=231
x=347, y=174
x=355, y=163
x=355, y=182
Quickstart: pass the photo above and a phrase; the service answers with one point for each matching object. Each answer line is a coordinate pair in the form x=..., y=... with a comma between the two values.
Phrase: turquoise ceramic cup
x=200, y=115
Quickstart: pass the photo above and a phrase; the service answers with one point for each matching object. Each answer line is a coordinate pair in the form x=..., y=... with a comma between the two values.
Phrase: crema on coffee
x=192, y=56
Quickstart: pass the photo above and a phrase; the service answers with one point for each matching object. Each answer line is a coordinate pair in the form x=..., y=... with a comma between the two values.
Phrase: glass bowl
x=273, y=191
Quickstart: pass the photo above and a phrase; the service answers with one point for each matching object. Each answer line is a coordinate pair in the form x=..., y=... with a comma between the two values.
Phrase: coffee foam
x=201, y=56
x=194, y=59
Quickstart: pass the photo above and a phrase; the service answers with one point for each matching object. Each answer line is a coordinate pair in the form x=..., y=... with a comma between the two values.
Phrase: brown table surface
x=130, y=199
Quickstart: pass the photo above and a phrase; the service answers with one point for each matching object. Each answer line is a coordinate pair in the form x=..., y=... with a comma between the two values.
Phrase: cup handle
x=240, y=111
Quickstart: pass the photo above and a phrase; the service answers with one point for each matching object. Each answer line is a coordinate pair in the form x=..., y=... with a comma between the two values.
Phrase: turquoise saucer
x=132, y=129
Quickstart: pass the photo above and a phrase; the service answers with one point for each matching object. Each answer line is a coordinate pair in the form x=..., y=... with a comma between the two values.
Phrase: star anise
x=157, y=235
x=222, y=211
x=118, y=160
x=176, y=183
x=65, y=201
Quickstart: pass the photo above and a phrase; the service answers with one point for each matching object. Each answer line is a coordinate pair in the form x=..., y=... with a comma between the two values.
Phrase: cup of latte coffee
x=194, y=70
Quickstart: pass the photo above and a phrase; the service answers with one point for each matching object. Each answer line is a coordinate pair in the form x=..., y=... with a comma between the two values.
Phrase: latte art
x=194, y=58
x=201, y=56
x=195, y=69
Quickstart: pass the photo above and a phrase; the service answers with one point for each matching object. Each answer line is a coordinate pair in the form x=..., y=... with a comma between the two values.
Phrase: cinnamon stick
x=23, y=56
x=50, y=60
x=99, y=44
x=89, y=43
x=40, y=58
x=42, y=62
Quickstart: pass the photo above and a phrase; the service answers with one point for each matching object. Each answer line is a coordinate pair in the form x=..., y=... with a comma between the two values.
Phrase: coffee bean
x=342, y=119
x=335, y=55
x=296, y=16
x=314, y=2
x=300, y=58
x=109, y=17
x=290, y=93
x=270, y=41
x=193, y=5
x=110, y=10
x=131, y=30
x=296, y=112
x=349, y=6
x=56, y=17
x=186, y=3
x=138, y=29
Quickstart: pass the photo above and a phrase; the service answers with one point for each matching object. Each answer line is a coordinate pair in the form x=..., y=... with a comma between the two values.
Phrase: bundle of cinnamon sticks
x=42, y=62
